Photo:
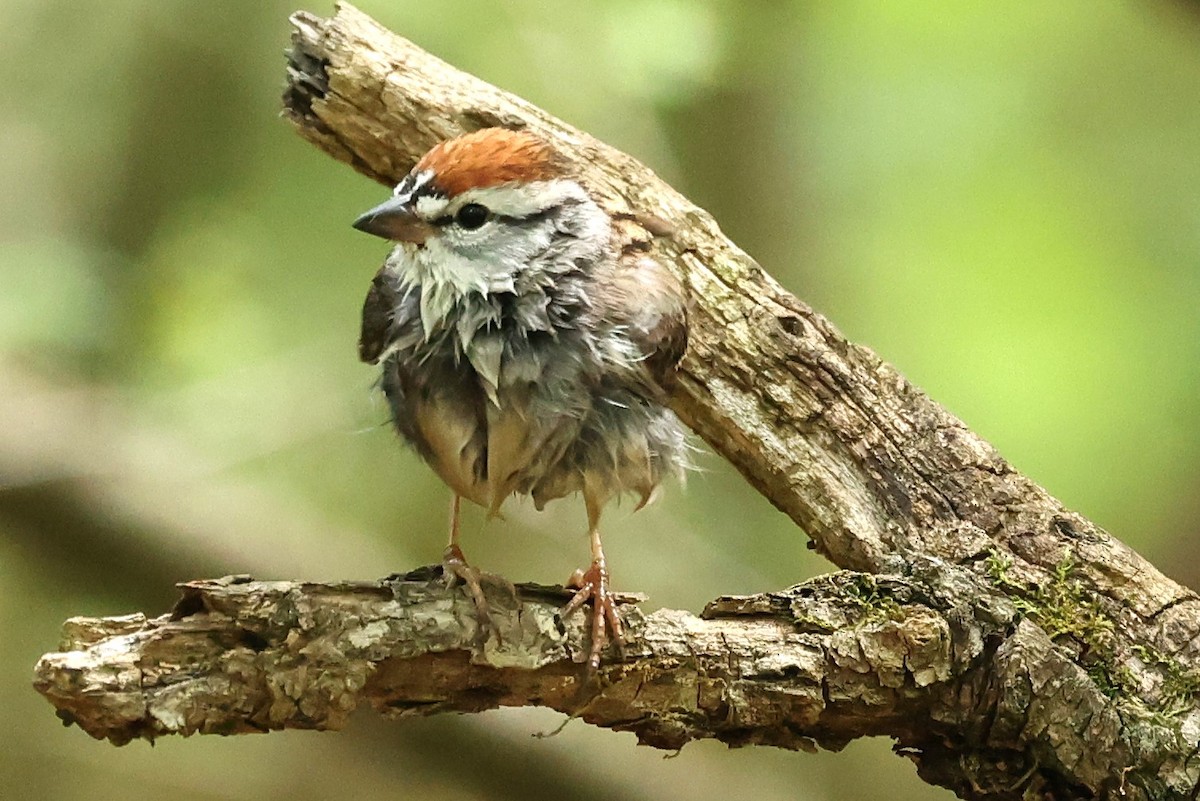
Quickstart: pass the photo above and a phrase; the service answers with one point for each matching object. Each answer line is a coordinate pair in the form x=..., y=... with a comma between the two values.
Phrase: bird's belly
x=525, y=440
x=439, y=409
x=487, y=448
x=454, y=446
x=625, y=444
x=546, y=438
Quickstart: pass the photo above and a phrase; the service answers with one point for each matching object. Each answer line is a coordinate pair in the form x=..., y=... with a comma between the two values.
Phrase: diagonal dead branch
x=1011, y=646
x=868, y=465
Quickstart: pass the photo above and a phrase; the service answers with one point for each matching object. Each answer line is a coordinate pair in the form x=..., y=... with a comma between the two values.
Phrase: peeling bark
x=1012, y=647
x=819, y=664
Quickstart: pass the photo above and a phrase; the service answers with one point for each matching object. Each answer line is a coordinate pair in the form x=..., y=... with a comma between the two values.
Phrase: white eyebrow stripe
x=430, y=206
x=412, y=184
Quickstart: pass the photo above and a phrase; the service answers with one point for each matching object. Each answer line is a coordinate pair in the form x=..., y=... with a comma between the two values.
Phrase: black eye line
x=532, y=217
x=536, y=216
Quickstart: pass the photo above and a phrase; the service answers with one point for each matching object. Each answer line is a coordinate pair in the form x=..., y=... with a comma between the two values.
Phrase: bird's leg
x=453, y=553
x=592, y=585
x=455, y=568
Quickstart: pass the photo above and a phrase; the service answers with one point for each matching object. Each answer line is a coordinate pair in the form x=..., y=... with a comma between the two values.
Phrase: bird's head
x=494, y=197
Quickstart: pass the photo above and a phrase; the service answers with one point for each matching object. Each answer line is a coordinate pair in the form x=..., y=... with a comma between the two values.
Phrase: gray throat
x=491, y=312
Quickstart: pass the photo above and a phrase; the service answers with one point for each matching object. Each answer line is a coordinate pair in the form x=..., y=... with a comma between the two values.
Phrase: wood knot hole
x=791, y=324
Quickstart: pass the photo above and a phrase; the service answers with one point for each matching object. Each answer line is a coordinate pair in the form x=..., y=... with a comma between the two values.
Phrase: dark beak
x=394, y=219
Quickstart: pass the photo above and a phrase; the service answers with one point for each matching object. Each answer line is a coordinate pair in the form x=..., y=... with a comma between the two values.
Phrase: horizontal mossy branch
x=934, y=659
x=824, y=662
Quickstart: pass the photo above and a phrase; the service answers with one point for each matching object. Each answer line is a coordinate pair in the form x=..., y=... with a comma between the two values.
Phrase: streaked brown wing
x=378, y=318
x=652, y=306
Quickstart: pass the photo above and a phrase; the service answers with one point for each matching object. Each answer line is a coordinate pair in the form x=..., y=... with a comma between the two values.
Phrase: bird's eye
x=472, y=215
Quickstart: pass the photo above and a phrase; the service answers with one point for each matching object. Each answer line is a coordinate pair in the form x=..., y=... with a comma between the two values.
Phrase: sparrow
x=523, y=350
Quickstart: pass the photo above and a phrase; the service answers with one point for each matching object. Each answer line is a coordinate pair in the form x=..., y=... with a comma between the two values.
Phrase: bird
x=523, y=349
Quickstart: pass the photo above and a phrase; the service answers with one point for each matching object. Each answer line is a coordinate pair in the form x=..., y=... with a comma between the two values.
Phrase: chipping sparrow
x=522, y=350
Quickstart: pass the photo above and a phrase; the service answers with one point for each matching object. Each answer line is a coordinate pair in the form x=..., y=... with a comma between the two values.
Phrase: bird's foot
x=454, y=570
x=592, y=585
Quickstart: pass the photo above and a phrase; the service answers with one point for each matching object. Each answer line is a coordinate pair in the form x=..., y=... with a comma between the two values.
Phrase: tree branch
x=1010, y=645
x=823, y=662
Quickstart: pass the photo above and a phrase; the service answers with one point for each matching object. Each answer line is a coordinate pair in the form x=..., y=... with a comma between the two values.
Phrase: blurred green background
x=1001, y=199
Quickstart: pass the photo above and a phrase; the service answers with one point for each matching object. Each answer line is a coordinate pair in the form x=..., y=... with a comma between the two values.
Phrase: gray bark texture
x=1012, y=648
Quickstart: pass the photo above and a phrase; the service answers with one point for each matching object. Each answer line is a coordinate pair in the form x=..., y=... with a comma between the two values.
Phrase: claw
x=456, y=569
x=592, y=585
